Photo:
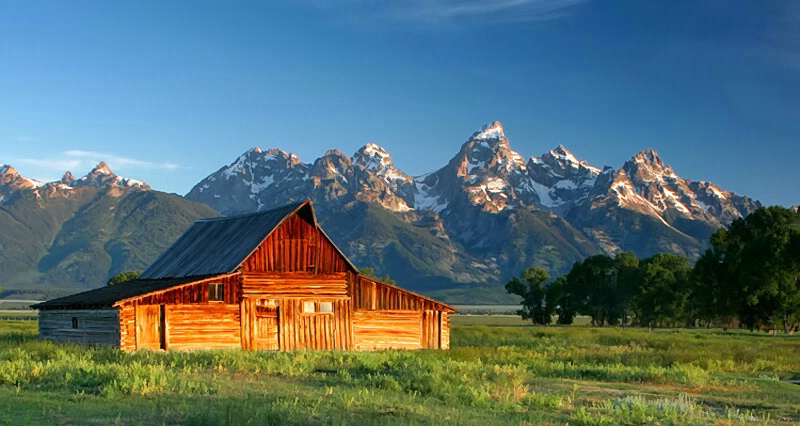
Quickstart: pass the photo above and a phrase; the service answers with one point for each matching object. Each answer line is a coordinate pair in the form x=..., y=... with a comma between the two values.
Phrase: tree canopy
x=750, y=275
x=123, y=277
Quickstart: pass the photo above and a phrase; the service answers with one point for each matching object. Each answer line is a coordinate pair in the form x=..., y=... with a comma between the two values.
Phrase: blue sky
x=168, y=92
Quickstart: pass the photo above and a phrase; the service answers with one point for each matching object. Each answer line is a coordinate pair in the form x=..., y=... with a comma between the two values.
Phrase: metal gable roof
x=217, y=245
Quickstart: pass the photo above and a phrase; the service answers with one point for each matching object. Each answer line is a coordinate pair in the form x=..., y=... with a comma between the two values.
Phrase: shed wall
x=93, y=326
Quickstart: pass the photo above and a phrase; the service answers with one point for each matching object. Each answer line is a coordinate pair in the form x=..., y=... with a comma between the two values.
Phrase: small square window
x=326, y=307
x=216, y=292
x=74, y=323
x=308, y=307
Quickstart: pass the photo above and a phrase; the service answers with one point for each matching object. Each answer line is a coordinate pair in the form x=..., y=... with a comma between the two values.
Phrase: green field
x=499, y=371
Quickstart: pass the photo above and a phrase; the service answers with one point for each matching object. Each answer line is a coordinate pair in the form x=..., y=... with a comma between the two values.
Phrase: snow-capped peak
x=561, y=152
x=375, y=158
x=491, y=131
x=6, y=169
x=375, y=150
x=102, y=168
x=566, y=159
x=648, y=156
x=102, y=175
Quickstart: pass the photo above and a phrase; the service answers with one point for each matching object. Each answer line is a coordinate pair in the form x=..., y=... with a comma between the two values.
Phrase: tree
x=370, y=272
x=628, y=281
x=756, y=262
x=715, y=301
x=123, y=277
x=592, y=283
x=662, y=297
x=559, y=297
x=535, y=304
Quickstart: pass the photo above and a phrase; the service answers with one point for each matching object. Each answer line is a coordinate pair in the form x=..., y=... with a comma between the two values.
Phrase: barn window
x=311, y=307
x=216, y=292
x=74, y=323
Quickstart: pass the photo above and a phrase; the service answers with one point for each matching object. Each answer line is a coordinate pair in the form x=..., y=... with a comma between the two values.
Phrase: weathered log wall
x=380, y=330
x=91, y=326
x=371, y=294
x=314, y=331
x=196, y=293
x=445, y=344
x=294, y=285
x=127, y=327
x=202, y=326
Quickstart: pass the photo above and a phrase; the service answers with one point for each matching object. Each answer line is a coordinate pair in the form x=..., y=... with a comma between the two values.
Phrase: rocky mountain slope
x=483, y=217
x=490, y=211
x=77, y=232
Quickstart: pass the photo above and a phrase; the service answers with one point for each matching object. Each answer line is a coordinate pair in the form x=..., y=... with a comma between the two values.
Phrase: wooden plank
x=378, y=330
x=206, y=326
x=148, y=327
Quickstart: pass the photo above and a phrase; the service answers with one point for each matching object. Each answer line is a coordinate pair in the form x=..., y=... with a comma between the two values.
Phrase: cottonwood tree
x=753, y=269
x=662, y=297
x=535, y=304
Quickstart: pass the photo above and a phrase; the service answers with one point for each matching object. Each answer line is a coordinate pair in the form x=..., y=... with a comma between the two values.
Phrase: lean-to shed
x=271, y=280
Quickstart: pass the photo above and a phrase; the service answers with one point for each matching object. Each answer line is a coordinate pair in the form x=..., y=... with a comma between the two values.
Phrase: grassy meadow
x=499, y=371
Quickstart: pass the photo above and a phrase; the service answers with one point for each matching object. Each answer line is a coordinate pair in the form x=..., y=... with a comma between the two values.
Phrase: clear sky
x=168, y=92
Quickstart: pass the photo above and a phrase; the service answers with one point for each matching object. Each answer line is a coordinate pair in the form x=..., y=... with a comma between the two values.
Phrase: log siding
x=82, y=326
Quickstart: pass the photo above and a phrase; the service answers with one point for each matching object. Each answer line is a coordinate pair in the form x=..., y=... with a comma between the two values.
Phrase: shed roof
x=108, y=295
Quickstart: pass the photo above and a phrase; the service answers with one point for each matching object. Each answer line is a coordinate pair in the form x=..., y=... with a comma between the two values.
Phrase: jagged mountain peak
x=490, y=131
x=68, y=178
x=648, y=156
x=561, y=158
x=489, y=149
x=335, y=153
x=11, y=181
x=101, y=175
x=373, y=150
x=101, y=168
x=648, y=166
x=376, y=159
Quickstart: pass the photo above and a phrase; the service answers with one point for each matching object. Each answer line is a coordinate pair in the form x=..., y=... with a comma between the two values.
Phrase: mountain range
x=483, y=217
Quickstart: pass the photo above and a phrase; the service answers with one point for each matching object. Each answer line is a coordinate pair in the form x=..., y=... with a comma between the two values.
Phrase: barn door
x=266, y=328
x=150, y=330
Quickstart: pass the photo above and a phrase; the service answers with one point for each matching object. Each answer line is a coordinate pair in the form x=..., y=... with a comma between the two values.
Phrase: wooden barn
x=271, y=280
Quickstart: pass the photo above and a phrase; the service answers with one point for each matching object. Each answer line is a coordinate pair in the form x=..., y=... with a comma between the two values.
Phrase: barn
x=271, y=280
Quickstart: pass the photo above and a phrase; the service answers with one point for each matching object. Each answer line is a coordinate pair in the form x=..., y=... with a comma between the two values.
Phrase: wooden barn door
x=266, y=328
x=150, y=327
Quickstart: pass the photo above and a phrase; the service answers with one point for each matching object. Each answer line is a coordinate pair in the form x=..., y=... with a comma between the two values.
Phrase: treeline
x=750, y=277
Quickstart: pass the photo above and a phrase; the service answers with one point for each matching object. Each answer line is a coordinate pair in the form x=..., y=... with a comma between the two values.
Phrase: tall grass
x=492, y=375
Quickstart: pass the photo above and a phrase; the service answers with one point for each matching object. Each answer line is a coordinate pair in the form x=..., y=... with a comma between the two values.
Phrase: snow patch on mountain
x=492, y=131
x=424, y=199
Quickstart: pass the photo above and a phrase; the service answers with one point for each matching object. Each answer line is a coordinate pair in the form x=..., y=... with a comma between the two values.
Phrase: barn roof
x=108, y=295
x=220, y=245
